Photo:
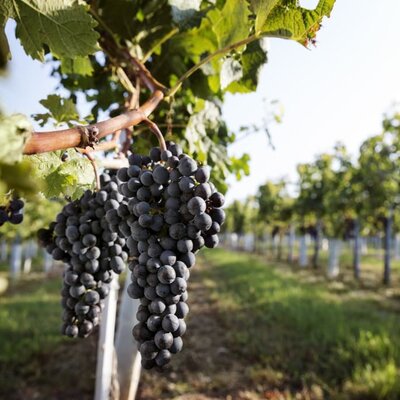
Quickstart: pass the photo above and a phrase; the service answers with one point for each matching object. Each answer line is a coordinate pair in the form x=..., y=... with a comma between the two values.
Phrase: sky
x=336, y=91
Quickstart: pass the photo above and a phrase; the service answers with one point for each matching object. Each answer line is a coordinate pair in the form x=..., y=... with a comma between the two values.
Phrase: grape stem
x=88, y=154
x=156, y=130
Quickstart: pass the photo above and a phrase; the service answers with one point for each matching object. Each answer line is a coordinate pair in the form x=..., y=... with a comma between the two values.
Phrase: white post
x=303, y=259
x=4, y=250
x=16, y=259
x=105, y=349
x=335, y=246
x=34, y=248
x=396, y=247
x=128, y=356
x=291, y=241
x=28, y=257
x=47, y=261
x=364, y=245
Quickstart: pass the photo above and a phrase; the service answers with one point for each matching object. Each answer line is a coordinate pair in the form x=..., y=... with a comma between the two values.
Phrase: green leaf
x=120, y=17
x=289, y=21
x=14, y=131
x=195, y=42
x=19, y=177
x=70, y=178
x=261, y=9
x=231, y=24
x=77, y=65
x=60, y=109
x=63, y=25
x=252, y=59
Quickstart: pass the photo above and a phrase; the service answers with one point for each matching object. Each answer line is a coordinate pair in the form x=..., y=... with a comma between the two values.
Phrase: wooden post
x=105, y=350
x=128, y=356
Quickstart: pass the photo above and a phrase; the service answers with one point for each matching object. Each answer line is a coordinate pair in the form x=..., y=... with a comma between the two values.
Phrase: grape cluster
x=13, y=212
x=87, y=238
x=173, y=212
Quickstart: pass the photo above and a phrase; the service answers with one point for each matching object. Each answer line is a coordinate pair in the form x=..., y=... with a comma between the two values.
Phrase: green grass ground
x=283, y=330
x=36, y=362
x=305, y=334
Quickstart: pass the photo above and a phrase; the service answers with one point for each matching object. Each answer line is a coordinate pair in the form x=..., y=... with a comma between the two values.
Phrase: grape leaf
x=60, y=109
x=225, y=22
x=289, y=21
x=62, y=25
x=77, y=65
x=70, y=178
x=120, y=17
x=252, y=59
x=14, y=131
x=195, y=42
x=261, y=9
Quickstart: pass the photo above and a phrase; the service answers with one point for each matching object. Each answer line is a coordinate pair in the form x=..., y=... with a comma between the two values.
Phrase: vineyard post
x=126, y=348
x=16, y=258
x=105, y=347
x=335, y=246
x=387, y=248
x=291, y=241
x=4, y=250
x=396, y=247
x=317, y=243
x=27, y=257
x=356, y=250
x=47, y=261
x=303, y=251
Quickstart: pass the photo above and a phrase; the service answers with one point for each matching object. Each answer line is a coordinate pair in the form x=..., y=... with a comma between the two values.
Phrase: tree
x=310, y=203
x=379, y=166
x=274, y=209
x=341, y=208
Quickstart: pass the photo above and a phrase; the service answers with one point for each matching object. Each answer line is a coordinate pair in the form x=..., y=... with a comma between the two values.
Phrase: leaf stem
x=159, y=43
x=208, y=58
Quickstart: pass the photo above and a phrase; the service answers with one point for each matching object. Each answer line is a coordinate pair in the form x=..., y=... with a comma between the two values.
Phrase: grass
x=287, y=328
x=306, y=333
x=36, y=361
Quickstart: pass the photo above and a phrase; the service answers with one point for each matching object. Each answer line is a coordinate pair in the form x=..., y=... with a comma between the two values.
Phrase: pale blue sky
x=336, y=91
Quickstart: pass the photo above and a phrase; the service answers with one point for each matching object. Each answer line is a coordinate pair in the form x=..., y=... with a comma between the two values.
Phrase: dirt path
x=206, y=368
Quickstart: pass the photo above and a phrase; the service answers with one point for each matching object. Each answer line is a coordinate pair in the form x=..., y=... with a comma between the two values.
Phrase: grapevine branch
x=41, y=142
